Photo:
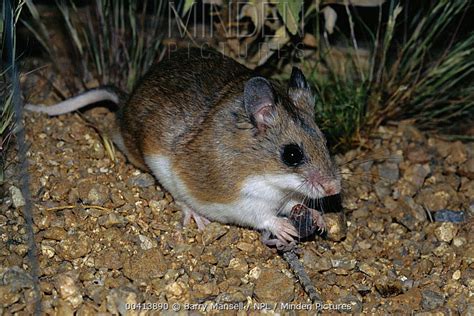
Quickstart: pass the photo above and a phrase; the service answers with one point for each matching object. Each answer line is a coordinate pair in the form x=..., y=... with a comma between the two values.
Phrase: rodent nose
x=331, y=187
x=328, y=184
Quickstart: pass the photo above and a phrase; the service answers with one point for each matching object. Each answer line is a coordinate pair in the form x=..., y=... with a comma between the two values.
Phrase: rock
x=87, y=309
x=97, y=195
x=456, y=275
x=459, y=241
x=206, y=290
x=315, y=263
x=375, y=226
x=446, y=232
x=143, y=180
x=16, y=279
x=158, y=206
x=344, y=264
x=145, y=265
x=336, y=226
x=363, y=289
x=55, y=233
x=418, y=155
x=17, y=197
x=410, y=214
x=111, y=220
x=93, y=193
x=431, y=300
x=7, y=297
x=120, y=298
x=109, y=259
x=146, y=243
x=457, y=153
x=176, y=289
x=68, y=289
x=212, y=232
x=322, y=264
x=64, y=308
x=404, y=188
x=229, y=298
x=468, y=254
x=388, y=287
x=224, y=257
x=97, y=151
x=368, y=269
x=442, y=250
x=238, y=268
x=274, y=286
x=382, y=189
x=245, y=246
x=47, y=250
x=436, y=197
x=255, y=273
x=409, y=300
x=416, y=174
x=449, y=216
x=467, y=169
x=442, y=147
x=364, y=244
x=389, y=172
x=74, y=246
x=469, y=309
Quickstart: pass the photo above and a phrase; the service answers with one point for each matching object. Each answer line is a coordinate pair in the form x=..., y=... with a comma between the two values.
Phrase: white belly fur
x=260, y=199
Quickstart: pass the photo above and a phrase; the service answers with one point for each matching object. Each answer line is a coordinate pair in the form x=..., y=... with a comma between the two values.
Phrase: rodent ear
x=300, y=92
x=298, y=80
x=259, y=101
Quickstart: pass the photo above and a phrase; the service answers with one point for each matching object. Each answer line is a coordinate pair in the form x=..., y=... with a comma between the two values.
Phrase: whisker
x=358, y=161
x=287, y=197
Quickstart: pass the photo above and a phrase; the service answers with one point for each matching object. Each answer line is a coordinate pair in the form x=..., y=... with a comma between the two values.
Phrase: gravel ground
x=108, y=235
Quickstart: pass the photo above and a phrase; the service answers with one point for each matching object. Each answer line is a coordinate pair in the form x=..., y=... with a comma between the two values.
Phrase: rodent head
x=287, y=139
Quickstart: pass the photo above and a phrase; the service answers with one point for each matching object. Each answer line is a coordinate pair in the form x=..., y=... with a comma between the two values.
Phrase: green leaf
x=188, y=5
x=290, y=13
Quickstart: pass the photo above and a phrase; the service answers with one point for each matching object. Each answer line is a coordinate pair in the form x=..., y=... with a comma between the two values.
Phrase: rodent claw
x=318, y=220
x=285, y=234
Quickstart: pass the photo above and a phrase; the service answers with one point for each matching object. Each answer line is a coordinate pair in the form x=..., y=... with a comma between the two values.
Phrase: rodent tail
x=106, y=93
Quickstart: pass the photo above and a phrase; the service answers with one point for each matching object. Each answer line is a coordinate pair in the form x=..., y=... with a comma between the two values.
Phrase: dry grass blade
x=417, y=77
x=115, y=41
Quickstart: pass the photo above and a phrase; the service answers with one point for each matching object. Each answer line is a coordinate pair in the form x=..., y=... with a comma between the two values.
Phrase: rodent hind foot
x=200, y=220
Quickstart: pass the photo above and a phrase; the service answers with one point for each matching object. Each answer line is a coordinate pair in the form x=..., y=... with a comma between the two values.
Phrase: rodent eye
x=292, y=155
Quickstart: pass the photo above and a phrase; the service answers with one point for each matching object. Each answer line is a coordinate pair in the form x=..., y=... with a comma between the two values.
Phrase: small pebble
x=336, y=226
x=111, y=220
x=238, y=267
x=119, y=300
x=274, y=286
x=448, y=216
x=17, y=197
x=143, y=180
x=212, y=232
x=431, y=299
x=146, y=265
x=446, y=232
x=456, y=275
x=68, y=289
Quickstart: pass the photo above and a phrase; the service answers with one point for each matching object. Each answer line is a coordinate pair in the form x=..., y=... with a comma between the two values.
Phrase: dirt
x=110, y=239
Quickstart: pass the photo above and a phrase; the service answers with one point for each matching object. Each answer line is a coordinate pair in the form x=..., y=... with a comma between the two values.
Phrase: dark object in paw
x=302, y=218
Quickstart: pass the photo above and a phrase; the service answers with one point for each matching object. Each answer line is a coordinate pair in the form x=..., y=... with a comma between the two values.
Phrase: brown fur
x=190, y=109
